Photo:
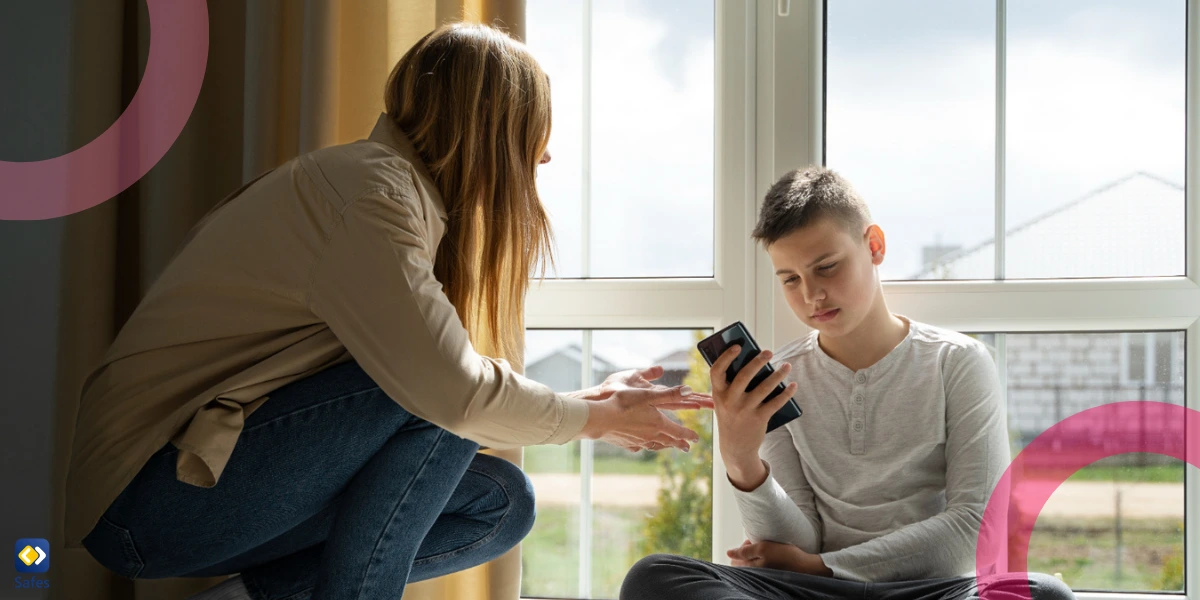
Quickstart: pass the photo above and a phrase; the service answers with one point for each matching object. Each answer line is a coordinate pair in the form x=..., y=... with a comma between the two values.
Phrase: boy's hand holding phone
x=742, y=415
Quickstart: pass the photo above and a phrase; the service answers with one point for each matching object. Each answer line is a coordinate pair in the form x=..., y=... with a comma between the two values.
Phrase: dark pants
x=333, y=491
x=668, y=577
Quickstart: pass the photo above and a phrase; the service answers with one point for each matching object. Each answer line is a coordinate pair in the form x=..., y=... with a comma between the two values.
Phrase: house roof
x=575, y=353
x=1131, y=227
x=679, y=360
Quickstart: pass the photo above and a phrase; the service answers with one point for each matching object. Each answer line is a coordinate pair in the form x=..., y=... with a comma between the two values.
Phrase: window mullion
x=1191, y=475
x=1192, y=152
x=1192, y=265
x=1001, y=108
x=586, y=447
x=586, y=149
x=587, y=451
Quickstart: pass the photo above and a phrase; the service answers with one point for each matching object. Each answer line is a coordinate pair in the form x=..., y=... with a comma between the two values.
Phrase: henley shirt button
x=858, y=425
x=861, y=378
x=858, y=399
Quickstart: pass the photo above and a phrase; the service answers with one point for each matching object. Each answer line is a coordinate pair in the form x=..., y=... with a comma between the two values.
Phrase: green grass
x=550, y=555
x=1149, y=474
x=1083, y=550
x=551, y=552
x=562, y=459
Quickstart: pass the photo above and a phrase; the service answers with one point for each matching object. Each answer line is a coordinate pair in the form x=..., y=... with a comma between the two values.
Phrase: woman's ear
x=876, y=242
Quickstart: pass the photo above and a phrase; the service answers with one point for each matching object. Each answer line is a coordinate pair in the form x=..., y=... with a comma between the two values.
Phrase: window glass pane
x=550, y=553
x=910, y=121
x=552, y=34
x=1116, y=525
x=651, y=142
x=629, y=519
x=1095, y=138
x=652, y=138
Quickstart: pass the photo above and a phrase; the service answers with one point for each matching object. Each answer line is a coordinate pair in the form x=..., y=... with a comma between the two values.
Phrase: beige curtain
x=284, y=77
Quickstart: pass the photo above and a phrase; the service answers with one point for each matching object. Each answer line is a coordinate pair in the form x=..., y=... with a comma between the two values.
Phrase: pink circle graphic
x=1055, y=455
x=140, y=137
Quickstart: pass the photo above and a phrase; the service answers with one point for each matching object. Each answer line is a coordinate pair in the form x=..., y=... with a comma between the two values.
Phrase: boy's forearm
x=746, y=475
x=769, y=515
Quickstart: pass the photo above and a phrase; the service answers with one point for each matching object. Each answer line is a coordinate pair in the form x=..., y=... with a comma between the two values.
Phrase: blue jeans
x=333, y=491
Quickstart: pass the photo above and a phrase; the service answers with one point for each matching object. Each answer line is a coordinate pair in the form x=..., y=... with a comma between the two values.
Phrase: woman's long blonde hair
x=476, y=106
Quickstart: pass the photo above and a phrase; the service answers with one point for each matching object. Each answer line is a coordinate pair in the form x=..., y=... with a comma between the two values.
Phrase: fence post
x=1141, y=460
x=1117, y=573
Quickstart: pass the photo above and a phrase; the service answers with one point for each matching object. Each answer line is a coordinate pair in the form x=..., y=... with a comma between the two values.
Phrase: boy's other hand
x=742, y=416
x=773, y=555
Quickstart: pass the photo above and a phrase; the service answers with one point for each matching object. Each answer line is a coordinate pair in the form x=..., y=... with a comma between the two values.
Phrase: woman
x=298, y=397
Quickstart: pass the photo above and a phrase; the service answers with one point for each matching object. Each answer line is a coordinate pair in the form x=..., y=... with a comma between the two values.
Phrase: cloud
x=1095, y=91
x=652, y=146
x=913, y=125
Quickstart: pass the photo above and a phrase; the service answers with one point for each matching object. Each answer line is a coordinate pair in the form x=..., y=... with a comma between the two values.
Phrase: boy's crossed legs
x=669, y=577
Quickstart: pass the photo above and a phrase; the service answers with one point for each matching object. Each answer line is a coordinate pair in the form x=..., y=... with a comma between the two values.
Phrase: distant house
x=1131, y=227
x=675, y=366
x=562, y=369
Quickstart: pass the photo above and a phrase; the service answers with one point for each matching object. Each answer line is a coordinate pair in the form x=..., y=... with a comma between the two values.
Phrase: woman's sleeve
x=375, y=288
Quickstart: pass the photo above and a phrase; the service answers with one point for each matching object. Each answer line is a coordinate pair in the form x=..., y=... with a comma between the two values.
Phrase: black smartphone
x=713, y=346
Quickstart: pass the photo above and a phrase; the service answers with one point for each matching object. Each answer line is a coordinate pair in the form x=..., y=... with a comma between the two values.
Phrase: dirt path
x=1084, y=499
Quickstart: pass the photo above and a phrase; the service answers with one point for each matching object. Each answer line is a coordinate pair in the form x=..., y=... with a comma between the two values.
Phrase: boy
x=879, y=489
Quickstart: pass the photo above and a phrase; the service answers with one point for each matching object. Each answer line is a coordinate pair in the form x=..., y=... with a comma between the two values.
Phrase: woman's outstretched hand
x=632, y=418
x=643, y=379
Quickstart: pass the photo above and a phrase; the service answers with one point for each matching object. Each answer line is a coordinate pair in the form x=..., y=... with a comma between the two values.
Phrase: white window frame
x=1137, y=304
x=678, y=303
x=768, y=120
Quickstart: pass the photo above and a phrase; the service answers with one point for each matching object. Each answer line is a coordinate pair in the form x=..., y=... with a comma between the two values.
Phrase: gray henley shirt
x=887, y=473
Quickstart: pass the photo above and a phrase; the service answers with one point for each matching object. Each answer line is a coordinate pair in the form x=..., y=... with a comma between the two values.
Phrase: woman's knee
x=519, y=510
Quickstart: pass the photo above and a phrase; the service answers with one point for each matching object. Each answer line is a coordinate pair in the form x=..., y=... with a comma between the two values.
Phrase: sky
x=652, y=134
x=1095, y=90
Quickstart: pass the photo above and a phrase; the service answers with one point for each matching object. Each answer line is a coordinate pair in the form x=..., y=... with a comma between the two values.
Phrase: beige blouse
x=324, y=259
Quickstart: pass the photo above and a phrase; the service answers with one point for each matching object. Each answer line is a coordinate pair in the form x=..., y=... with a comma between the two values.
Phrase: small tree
x=683, y=522
x=1170, y=579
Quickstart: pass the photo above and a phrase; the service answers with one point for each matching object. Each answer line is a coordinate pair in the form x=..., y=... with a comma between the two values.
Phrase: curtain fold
x=284, y=77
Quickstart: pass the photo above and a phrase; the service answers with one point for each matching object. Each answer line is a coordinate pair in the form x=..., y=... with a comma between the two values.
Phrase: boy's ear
x=876, y=242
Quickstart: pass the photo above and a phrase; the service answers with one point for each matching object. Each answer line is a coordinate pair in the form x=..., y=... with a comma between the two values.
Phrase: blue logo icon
x=32, y=555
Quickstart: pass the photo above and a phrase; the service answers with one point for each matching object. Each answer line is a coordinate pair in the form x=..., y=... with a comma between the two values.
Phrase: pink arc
x=139, y=138
x=1074, y=443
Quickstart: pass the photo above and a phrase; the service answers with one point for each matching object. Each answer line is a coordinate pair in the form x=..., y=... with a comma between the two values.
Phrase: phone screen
x=712, y=347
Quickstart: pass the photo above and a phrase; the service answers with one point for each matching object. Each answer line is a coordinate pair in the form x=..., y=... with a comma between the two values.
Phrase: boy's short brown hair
x=803, y=197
